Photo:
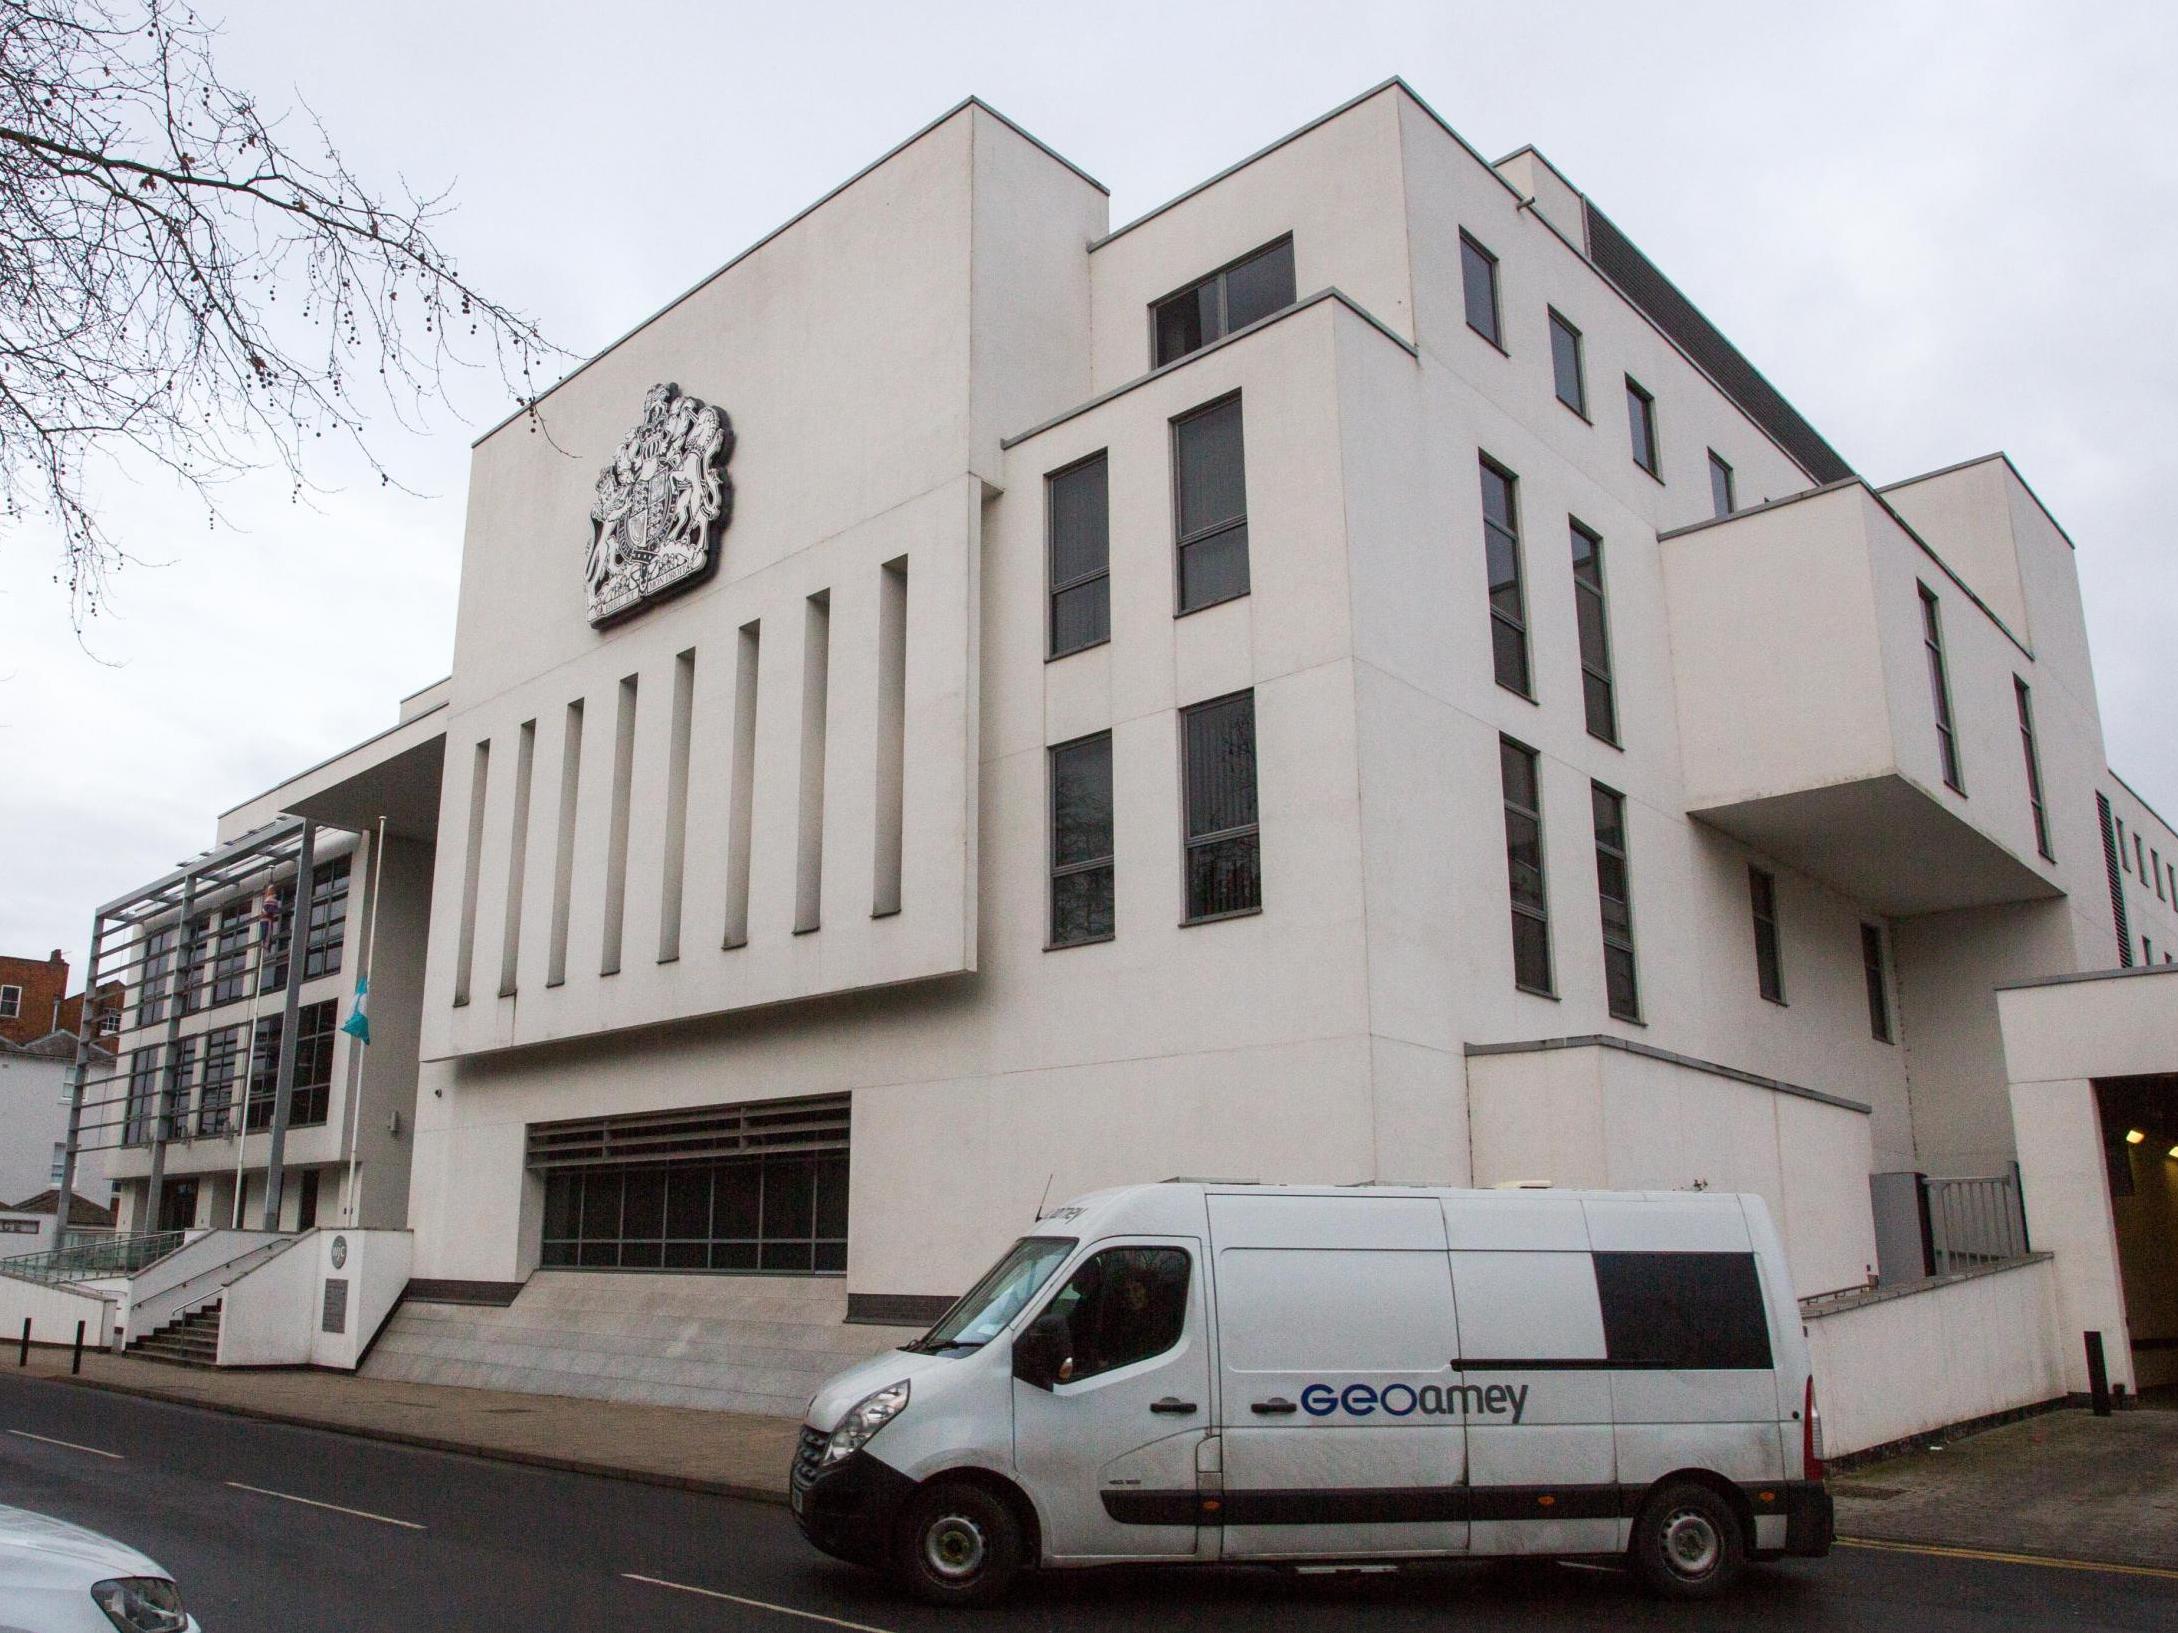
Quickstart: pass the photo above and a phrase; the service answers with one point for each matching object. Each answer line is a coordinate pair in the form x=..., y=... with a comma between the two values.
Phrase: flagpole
x=361, y=1045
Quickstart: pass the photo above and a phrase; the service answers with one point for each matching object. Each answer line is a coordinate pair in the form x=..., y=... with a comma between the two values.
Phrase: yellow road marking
x=759, y=1604
x=1993, y=1557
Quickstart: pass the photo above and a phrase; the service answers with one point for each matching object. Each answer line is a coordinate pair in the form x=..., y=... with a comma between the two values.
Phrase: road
x=414, y=1540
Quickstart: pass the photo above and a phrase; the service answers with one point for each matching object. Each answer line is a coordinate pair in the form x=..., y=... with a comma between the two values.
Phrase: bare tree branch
x=151, y=222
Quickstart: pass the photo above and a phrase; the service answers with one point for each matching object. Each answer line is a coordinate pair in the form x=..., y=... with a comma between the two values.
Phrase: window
x=1720, y=485
x=272, y=961
x=151, y=984
x=2155, y=871
x=1769, y=964
x=1124, y=1305
x=1077, y=521
x=1683, y=1311
x=195, y=963
x=1231, y=298
x=1565, y=365
x=143, y=1084
x=785, y=1211
x=2147, y=951
x=1508, y=600
x=222, y=1051
x=328, y=918
x=313, y=1068
x=2125, y=859
x=1210, y=498
x=1614, y=892
x=230, y=959
x=1081, y=841
x=1598, y=697
x=1641, y=425
x=2139, y=857
x=11, y=1003
x=2113, y=858
x=1939, y=686
x=109, y=1019
x=1879, y=987
x=2034, y=769
x=1224, y=864
x=54, y=1174
x=1520, y=773
x=1478, y=281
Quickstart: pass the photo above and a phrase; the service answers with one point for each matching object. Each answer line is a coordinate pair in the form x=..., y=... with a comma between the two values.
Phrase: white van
x=1306, y=1375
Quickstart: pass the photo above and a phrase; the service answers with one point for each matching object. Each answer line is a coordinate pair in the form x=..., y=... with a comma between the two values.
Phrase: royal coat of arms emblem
x=660, y=506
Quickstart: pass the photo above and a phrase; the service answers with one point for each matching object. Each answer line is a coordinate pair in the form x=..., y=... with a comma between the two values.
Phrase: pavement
x=727, y=1453
x=2063, y=1483
x=271, y=1528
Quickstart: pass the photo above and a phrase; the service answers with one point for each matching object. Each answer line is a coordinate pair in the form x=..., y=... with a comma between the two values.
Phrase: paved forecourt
x=277, y=1529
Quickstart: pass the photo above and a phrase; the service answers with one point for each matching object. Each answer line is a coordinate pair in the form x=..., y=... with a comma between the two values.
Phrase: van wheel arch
x=1024, y=1511
x=1715, y=1482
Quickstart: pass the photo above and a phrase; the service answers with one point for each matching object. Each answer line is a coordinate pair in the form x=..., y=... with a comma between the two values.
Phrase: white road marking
x=759, y=1604
x=312, y=1502
x=70, y=1444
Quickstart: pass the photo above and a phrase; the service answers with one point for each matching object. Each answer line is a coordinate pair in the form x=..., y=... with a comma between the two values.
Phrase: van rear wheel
x=1688, y=1542
x=958, y=1544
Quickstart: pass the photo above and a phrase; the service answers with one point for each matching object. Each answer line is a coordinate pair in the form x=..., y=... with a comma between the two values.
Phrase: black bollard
x=22, y=1356
x=2098, y=1375
x=75, y=1362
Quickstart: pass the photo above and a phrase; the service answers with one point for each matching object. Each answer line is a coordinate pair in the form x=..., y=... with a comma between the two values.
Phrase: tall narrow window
x=1224, y=862
x=816, y=686
x=2140, y=860
x=1478, y=282
x=563, y=856
x=1233, y=297
x=2113, y=856
x=325, y=927
x=1939, y=686
x=1521, y=774
x=2125, y=857
x=1598, y=696
x=1769, y=960
x=1565, y=365
x=1081, y=841
x=472, y=864
x=1641, y=427
x=2155, y=872
x=510, y=941
x=674, y=864
x=1720, y=485
x=616, y=832
x=2033, y=755
x=1077, y=524
x=1614, y=891
x=891, y=791
x=1210, y=495
x=1508, y=601
x=741, y=815
x=1877, y=970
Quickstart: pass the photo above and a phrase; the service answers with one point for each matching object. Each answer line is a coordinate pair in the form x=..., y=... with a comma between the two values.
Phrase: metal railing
x=1975, y=1222
x=86, y=1261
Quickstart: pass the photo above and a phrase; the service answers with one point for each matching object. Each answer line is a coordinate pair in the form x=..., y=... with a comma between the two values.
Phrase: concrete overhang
x=394, y=775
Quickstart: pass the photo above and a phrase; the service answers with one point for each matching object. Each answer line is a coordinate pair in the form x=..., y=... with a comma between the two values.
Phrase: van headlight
x=863, y=1420
x=141, y=1604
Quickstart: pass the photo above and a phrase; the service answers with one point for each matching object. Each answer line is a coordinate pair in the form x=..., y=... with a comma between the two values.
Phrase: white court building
x=1347, y=677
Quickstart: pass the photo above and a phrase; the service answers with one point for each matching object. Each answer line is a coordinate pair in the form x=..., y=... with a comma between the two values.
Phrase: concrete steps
x=760, y=1344
x=192, y=1341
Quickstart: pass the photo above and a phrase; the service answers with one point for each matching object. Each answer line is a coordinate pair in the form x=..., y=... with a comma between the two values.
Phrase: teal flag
x=358, y=1023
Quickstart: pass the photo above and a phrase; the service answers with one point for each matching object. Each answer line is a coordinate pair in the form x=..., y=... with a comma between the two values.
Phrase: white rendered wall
x=34, y=1115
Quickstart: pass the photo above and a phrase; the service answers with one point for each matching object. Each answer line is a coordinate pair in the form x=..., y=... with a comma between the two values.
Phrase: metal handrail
x=164, y=1307
x=85, y=1261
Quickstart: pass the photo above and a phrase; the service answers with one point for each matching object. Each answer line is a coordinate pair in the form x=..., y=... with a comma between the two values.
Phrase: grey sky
x=1939, y=229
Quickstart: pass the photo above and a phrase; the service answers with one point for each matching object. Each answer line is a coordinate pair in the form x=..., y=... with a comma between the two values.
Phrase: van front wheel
x=958, y=1545
x=1688, y=1542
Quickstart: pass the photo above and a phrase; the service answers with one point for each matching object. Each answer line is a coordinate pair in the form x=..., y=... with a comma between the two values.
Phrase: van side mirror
x=1040, y=1353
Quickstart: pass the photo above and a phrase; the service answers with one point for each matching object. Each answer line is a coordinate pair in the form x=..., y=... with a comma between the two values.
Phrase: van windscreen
x=982, y=1312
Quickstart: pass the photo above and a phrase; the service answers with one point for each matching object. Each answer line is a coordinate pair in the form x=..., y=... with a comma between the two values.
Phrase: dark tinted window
x=1210, y=495
x=1599, y=699
x=1614, y=892
x=1524, y=865
x=1081, y=841
x=1688, y=1311
x=1079, y=518
x=1641, y=426
x=1508, y=599
x=1223, y=842
x=782, y=1212
x=1125, y=1305
x=1879, y=995
x=1565, y=365
x=1939, y=686
x=1478, y=280
x=1720, y=485
x=1769, y=962
x=1231, y=298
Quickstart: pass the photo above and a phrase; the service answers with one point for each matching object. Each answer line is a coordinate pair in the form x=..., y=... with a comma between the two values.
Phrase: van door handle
x=1276, y=1406
x=1174, y=1405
